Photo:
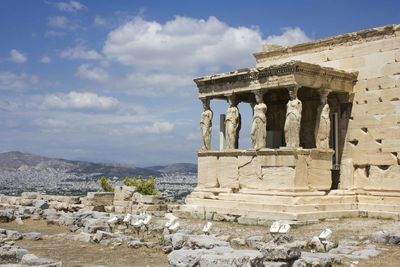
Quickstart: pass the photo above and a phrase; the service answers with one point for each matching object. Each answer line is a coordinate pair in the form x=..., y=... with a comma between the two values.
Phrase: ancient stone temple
x=325, y=133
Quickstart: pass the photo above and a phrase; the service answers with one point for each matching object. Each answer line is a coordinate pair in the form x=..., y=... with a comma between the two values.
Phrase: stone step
x=290, y=200
x=264, y=206
x=379, y=207
x=386, y=200
x=262, y=217
x=381, y=215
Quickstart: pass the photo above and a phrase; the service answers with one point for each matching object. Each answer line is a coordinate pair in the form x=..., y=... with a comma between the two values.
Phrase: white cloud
x=193, y=137
x=290, y=36
x=50, y=123
x=167, y=56
x=20, y=82
x=17, y=56
x=58, y=22
x=157, y=83
x=189, y=44
x=62, y=22
x=80, y=52
x=182, y=44
x=99, y=21
x=45, y=60
x=80, y=101
x=71, y=6
x=159, y=128
x=54, y=34
x=94, y=74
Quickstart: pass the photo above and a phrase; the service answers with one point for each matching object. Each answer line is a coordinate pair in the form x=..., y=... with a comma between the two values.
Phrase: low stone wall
x=67, y=203
x=125, y=199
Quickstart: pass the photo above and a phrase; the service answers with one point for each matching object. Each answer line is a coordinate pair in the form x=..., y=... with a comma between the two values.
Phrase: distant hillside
x=21, y=172
x=176, y=168
x=14, y=160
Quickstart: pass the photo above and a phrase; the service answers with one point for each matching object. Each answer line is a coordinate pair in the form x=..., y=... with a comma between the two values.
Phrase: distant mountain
x=176, y=168
x=14, y=160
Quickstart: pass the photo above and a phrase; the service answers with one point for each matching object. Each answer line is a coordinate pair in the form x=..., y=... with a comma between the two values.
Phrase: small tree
x=144, y=187
x=107, y=186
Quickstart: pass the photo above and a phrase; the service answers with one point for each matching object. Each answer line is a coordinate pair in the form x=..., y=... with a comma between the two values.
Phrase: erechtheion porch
x=304, y=162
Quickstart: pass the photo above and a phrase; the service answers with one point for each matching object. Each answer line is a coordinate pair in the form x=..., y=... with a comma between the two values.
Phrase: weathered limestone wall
x=371, y=151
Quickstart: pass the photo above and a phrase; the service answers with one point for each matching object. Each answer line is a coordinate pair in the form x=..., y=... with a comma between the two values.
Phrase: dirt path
x=74, y=253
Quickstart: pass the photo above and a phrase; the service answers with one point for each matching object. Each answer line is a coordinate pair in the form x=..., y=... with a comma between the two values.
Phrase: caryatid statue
x=259, y=126
x=293, y=119
x=323, y=125
x=232, y=124
x=206, y=124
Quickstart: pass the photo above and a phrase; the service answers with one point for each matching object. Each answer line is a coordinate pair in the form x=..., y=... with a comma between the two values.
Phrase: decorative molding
x=264, y=152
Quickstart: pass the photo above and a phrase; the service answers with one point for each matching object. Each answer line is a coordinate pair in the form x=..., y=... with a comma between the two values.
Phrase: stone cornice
x=292, y=67
x=295, y=73
x=364, y=35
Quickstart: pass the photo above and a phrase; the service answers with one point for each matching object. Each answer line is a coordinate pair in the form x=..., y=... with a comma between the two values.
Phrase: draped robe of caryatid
x=259, y=126
x=232, y=121
x=205, y=127
x=323, y=128
x=292, y=123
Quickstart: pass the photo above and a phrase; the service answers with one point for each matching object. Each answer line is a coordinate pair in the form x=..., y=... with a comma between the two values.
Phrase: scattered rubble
x=186, y=245
x=10, y=253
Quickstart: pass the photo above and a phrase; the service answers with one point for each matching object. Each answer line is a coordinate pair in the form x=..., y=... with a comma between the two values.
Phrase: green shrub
x=107, y=186
x=143, y=186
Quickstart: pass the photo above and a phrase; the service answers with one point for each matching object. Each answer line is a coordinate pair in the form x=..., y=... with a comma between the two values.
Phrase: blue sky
x=111, y=81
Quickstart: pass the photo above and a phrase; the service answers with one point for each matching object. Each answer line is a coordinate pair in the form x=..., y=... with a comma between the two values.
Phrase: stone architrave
x=232, y=124
x=259, y=126
x=205, y=125
x=293, y=119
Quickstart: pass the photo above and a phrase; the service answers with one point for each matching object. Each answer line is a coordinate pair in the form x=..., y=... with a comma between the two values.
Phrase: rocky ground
x=55, y=244
x=39, y=236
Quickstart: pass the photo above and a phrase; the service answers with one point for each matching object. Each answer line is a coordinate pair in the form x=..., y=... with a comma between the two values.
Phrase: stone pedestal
x=307, y=199
x=281, y=169
x=257, y=186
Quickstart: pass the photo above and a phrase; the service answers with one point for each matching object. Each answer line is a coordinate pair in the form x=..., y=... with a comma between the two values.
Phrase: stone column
x=259, y=125
x=293, y=119
x=232, y=124
x=206, y=124
x=323, y=123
